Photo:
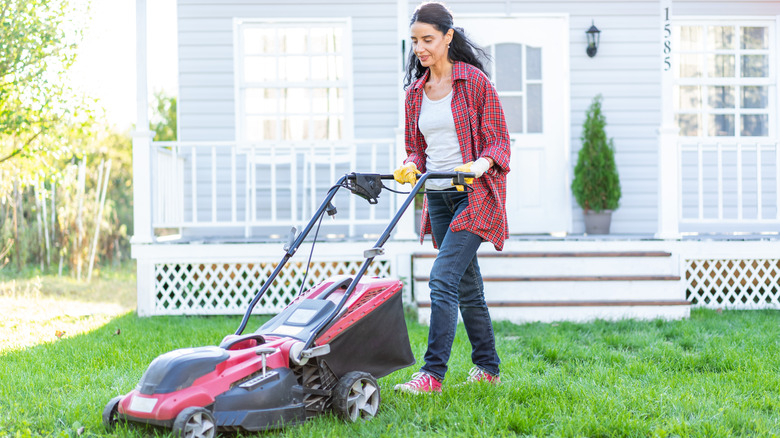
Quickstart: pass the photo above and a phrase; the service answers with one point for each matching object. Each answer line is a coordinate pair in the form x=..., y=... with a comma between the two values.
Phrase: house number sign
x=667, y=35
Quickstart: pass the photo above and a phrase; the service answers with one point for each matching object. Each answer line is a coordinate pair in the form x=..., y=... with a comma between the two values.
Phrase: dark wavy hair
x=461, y=47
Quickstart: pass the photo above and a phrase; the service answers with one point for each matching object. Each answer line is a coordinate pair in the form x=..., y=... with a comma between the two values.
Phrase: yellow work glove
x=406, y=174
x=476, y=167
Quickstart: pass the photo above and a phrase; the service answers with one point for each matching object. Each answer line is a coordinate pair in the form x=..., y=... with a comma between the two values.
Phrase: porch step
x=573, y=286
x=554, y=264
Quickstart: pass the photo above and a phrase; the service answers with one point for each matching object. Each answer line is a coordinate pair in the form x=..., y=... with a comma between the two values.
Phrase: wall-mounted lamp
x=593, y=40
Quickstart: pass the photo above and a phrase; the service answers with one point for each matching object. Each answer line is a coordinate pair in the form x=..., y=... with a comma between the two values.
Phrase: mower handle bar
x=431, y=175
x=457, y=177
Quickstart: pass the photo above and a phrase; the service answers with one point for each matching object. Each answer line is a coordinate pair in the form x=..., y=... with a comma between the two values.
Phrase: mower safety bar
x=457, y=177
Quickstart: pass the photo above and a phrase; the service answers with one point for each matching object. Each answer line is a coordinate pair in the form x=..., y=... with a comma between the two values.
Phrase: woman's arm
x=414, y=148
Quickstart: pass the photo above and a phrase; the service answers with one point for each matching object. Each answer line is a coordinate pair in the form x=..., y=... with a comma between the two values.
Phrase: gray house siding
x=206, y=90
x=727, y=7
x=626, y=72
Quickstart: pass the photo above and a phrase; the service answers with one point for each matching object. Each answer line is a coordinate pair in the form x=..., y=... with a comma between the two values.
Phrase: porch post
x=142, y=208
x=405, y=228
x=668, y=156
x=142, y=189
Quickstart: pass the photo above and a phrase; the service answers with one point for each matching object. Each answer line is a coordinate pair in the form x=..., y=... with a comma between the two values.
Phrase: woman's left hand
x=478, y=168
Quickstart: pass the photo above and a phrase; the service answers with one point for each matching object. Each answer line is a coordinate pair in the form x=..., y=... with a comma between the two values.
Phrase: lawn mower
x=323, y=353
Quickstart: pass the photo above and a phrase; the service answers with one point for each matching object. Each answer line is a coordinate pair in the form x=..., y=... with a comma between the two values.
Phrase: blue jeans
x=456, y=281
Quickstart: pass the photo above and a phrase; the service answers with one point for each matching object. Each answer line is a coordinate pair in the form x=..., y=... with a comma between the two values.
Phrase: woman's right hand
x=406, y=174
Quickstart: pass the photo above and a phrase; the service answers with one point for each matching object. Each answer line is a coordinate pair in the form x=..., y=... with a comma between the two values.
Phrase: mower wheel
x=195, y=422
x=110, y=413
x=356, y=396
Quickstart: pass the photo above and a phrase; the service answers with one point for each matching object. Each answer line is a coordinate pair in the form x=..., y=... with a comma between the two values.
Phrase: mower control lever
x=373, y=252
x=320, y=350
x=291, y=239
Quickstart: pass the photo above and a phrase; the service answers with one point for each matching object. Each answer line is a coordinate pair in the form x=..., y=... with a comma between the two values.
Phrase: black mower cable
x=311, y=252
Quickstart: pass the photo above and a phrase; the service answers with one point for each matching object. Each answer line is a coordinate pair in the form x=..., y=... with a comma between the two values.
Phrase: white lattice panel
x=733, y=283
x=228, y=288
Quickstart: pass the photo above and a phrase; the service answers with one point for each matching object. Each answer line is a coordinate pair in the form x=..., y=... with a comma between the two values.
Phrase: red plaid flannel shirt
x=481, y=130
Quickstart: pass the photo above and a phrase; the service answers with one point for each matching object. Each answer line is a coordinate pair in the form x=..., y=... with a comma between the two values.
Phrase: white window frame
x=771, y=81
x=240, y=84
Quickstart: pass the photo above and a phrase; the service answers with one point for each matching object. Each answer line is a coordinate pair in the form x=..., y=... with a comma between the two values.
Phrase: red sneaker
x=421, y=383
x=477, y=375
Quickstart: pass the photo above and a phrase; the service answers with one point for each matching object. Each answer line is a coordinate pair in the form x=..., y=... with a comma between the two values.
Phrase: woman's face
x=429, y=44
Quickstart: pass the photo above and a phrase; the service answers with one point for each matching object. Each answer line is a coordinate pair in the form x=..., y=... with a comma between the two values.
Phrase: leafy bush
x=596, y=184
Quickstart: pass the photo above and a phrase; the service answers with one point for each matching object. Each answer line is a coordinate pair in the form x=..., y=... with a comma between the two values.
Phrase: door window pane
x=534, y=108
x=721, y=97
x=755, y=125
x=755, y=38
x=720, y=66
x=721, y=125
x=509, y=71
x=755, y=66
x=513, y=111
x=720, y=37
x=754, y=97
x=533, y=61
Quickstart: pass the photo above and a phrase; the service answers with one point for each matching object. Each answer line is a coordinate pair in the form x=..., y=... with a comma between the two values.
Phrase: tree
x=38, y=110
x=163, y=120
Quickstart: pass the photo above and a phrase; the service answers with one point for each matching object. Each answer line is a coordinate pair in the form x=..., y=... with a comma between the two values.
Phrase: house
x=278, y=99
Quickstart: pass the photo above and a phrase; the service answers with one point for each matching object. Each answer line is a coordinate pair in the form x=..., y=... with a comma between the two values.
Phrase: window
x=724, y=79
x=516, y=71
x=293, y=80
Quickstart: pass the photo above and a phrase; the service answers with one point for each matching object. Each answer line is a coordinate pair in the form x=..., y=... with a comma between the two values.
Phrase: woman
x=454, y=121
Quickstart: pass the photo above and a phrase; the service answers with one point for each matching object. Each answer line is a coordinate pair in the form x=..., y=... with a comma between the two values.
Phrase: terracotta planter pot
x=597, y=223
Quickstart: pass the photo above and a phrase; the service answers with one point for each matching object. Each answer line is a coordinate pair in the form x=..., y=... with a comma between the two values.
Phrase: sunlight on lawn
x=41, y=310
x=26, y=322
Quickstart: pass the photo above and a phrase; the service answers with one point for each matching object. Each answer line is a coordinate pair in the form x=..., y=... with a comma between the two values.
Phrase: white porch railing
x=729, y=186
x=263, y=184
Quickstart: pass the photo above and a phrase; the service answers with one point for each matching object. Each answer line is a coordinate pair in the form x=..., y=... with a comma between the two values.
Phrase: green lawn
x=716, y=374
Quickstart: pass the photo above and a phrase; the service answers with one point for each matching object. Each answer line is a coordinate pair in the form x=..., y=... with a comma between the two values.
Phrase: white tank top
x=438, y=127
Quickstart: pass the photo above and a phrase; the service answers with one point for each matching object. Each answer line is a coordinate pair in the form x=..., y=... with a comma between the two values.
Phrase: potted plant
x=596, y=184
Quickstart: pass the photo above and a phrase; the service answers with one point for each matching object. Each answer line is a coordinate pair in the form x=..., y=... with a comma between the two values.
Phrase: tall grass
x=715, y=374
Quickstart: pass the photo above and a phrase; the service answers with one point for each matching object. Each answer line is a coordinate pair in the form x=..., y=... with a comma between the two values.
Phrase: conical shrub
x=596, y=184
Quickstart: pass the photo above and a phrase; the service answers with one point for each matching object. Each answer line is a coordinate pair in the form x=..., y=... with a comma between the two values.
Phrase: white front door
x=530, y=69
